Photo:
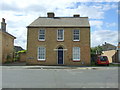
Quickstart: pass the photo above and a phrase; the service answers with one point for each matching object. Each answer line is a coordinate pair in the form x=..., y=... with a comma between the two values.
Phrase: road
x=106, y=77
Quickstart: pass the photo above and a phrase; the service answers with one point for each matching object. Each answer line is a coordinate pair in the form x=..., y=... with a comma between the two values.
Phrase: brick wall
x=22, y=57
x=7, y=47
x=51, y=43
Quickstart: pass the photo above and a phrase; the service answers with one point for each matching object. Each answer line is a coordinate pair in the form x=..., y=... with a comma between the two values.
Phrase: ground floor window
x=41, y=53
x=76, y=53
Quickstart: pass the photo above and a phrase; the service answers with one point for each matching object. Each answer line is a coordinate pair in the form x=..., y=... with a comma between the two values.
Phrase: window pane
x=42, y=31
x=76, y=31
x=42, y=37
x=76, y=35
x=42, y=34
x=60, y=34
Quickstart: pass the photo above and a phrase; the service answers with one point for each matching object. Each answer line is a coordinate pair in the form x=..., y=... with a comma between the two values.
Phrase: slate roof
x=8, y=34
x=18, y=48
x=60, y=22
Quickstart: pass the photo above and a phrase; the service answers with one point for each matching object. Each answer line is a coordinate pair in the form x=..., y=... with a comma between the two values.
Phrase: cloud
x=111, y=24
x=96, y=23
x=21, y=36
x=11, y=7
x=100, y=36
x=109, y=6
x=20, y=13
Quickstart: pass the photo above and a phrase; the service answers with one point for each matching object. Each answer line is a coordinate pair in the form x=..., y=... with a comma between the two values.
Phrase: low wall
x=22, y=57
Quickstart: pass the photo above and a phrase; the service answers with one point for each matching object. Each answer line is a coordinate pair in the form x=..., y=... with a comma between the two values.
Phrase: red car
x=102, y=60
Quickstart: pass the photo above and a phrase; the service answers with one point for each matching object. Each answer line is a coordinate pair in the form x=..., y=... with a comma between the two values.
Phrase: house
x=59, y=40
x=6, y=44
x=116, y=56
x=108, y=46
x=18, y=55
x=113, y=54
x=18, y=48
x=118, y=52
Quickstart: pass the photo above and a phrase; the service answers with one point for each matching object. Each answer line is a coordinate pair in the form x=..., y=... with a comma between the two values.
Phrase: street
x=17, y=77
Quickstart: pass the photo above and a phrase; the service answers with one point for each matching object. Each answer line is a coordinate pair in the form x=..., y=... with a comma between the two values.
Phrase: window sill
x=60, y=40
x=41, y=40
x=76, y=40
x=76, y=60
x=41, y=60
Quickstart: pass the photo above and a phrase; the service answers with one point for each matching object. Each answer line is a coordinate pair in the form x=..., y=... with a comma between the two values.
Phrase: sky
x=103, y=17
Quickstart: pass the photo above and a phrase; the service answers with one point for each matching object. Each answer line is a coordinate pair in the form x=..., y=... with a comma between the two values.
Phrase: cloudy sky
x=103, y=16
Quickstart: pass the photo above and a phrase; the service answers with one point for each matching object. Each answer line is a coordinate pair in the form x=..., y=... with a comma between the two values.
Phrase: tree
x=17, y=57
x=96, y=50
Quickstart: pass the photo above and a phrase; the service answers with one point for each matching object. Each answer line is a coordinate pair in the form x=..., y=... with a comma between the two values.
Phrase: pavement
x=53, y=67
x=22, y=65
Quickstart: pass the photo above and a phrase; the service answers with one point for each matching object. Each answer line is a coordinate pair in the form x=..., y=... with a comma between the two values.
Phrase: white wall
x=119, y=55
x=0, y=47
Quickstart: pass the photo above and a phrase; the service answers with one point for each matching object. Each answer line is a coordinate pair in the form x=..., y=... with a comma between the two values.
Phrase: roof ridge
x=64, y=17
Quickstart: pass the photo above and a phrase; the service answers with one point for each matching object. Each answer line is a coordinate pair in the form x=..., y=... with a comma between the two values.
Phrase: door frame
x=63, y=57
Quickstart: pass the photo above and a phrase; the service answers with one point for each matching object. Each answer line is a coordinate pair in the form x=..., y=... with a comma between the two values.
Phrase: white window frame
x=62, y=35
x=76, y=34
x=76, y=53
x=41, y=34
x=43, y=53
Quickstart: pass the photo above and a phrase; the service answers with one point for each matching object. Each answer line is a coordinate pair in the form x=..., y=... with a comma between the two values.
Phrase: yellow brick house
x=59, y=40
x=6, y=44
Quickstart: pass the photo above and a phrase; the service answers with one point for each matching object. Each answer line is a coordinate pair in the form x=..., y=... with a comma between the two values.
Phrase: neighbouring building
x=108, y=46
x=18, y=55
x=59, y=40
x=18, y=48
x=6, y=44
x=113, y=54
x=0, y=47
x=117, y=54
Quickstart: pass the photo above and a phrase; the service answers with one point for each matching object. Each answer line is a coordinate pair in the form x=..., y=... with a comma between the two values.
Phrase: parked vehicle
x=102, y=60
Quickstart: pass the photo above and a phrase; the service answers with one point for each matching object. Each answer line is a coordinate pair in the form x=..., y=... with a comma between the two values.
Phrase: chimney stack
x=105, y=43
x=50, y=14
x=76, y=15
x=3, y=25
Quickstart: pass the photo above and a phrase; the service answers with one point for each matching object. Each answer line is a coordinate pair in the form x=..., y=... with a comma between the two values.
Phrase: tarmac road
x=26, y=77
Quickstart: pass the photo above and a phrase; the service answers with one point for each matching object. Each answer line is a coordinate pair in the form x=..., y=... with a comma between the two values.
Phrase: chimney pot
x=105, y=43
x=50, y=14
x=3, y=20
x=76, y=15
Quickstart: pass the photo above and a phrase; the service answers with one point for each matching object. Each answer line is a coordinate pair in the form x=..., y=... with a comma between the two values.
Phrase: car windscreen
x=103, y=58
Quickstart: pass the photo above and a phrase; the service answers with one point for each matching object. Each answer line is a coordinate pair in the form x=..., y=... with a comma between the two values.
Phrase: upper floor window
x=42, y=35
x=41, y=53
x=76, y=35
x=60, y=35
x=76, y=53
